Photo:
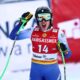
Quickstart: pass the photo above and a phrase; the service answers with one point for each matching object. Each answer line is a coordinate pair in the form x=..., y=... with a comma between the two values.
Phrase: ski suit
x=45, y=53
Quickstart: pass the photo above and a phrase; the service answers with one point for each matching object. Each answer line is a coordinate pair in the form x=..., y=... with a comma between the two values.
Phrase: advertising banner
x=20, y=60
x=66, y=16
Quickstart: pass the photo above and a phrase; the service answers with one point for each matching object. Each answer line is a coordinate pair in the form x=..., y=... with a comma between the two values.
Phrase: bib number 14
x=43, y=48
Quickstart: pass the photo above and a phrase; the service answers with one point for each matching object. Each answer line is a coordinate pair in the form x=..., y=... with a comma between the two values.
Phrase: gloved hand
x=25, y=18
x=62, y=47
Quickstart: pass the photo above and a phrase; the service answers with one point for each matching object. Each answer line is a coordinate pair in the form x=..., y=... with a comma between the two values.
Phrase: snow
x=72, y=71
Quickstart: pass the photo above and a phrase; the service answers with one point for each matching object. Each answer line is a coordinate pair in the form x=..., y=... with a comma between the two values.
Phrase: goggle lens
x=45, y=16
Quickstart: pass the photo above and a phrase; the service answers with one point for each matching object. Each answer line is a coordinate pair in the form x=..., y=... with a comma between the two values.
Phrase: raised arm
x=22, y=34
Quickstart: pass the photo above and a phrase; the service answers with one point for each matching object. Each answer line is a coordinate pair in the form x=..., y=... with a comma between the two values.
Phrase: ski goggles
x=45, y=16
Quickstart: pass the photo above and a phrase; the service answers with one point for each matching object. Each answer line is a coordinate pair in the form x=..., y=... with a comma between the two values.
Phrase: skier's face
x=44, y=21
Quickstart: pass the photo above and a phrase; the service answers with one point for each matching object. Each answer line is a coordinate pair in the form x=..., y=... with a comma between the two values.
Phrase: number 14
x=43, y=48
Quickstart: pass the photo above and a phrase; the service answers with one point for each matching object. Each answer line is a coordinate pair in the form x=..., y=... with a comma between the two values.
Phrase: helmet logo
x=42, y=10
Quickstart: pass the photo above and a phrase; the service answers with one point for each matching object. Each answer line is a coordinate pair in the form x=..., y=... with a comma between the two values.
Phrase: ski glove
x=25, y=18
x=62, y=47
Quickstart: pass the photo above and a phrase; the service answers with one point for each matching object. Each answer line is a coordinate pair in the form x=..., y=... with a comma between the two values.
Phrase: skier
x=44, y=39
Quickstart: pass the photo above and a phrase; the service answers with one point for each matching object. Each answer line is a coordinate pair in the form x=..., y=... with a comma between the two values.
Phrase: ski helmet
x=43, y=10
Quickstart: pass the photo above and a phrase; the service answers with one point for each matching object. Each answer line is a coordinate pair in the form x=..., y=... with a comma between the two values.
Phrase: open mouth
x=44, y=25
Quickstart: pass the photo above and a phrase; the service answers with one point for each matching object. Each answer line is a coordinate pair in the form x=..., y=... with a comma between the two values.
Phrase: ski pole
x=63, y=59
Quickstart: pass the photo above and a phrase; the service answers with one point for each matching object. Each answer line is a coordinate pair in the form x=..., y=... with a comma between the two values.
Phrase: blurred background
x=66, y=16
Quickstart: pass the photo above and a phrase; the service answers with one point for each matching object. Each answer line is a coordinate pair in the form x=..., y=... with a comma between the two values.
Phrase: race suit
x=45, y=53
